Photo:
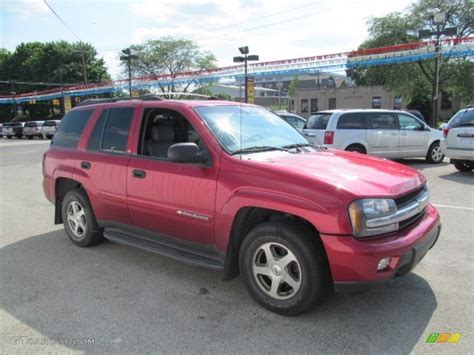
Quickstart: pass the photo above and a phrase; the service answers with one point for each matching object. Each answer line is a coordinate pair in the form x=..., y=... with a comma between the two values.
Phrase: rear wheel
x=462, y=166
x=30, y=137
x=356, y=148
x=435, y=155
x=79, y=221
x=284, y=267
x=9, y=137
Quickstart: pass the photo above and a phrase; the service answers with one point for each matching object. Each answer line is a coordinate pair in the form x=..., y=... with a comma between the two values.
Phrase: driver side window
x=408, y=123
x=161, y=128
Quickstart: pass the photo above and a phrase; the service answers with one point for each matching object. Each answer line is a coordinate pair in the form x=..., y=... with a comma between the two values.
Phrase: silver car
x=33, y=129
x=49, y=128
x=385, y=133
x=458, y=140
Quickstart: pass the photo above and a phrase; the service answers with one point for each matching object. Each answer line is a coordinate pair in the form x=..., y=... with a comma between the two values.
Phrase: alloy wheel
x=76, y=219
x=276, y=271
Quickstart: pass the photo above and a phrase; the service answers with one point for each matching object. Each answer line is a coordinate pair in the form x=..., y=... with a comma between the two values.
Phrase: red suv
x=235, y=188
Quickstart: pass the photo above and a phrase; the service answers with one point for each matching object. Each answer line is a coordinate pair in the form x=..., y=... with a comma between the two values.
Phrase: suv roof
x=136, y=102
x=357, y=110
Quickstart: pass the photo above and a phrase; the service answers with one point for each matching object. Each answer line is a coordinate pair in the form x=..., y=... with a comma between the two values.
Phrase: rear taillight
x=445, y=132
x=328, y=137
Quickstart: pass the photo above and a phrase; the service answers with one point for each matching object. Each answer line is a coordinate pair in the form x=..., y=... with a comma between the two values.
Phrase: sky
x=273, y=29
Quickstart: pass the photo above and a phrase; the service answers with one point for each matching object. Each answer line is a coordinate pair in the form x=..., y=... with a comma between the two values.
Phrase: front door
x=383, y=134
x=168, y=198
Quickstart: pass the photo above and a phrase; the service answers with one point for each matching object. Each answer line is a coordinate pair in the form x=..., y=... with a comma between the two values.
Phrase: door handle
x=85, y=165
x=140, y=174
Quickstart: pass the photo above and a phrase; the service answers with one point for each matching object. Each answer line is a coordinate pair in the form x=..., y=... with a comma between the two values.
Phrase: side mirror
x=187, y=153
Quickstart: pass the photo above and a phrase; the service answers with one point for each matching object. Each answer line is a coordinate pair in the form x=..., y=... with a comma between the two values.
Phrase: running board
x=174, y=248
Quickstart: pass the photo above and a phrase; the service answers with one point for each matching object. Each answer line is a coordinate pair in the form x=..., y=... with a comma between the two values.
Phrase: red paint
x=317, y=187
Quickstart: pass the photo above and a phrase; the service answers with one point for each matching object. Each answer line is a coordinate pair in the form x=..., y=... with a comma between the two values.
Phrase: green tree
x=414, y=81
x=46, y=63
x=292, y=87
x=169, y=56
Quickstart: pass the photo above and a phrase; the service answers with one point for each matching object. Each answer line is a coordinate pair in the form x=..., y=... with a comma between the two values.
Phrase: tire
x=462, y=166
x=79, y=220
x=307, y=269
x=19, y=137
x=30, y=137
x=9, y=137
x=356, y=148
x=49, y=137
x=434, y=156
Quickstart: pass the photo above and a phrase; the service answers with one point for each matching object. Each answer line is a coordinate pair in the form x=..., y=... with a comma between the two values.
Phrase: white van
x=385, y=133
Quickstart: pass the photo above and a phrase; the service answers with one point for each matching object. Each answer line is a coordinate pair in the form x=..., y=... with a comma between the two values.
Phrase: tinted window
x=462, y=118
x=96, y=135
x=408, y=123
x=318, y=121
x=71, y=128
x=116, y=129
x=49, y=124
x=30, y=124
x=352, y=121
x=381, y=120
x=295, y=121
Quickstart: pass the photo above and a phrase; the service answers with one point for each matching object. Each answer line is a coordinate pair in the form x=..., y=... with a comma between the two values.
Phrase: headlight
x=363, y=211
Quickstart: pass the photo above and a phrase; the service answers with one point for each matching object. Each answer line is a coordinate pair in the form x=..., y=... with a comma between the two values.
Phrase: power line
x=241, y=23
x=259, y=18
x=62, y=21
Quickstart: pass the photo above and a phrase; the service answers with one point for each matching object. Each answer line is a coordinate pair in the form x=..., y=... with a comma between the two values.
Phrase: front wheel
x=79, y=221
x=435, y=155
x=284, y=267
x=463, y=166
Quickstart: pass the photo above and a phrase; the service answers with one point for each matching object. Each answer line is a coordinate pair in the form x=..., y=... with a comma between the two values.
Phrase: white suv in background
x=49, y=128
x=458, y=141
x=385, y=133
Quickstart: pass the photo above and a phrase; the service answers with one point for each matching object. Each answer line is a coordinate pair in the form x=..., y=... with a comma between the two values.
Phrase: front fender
x=326, y=219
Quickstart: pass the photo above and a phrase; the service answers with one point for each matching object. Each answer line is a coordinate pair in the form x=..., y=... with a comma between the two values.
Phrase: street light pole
x=435, y=87
x=245, y=58
x=128, y=57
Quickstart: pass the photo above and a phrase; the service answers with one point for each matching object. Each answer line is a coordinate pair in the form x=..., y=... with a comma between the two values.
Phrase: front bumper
x=353, y=262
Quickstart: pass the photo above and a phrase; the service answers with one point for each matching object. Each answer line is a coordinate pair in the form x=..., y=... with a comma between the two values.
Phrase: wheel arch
x=62, y=186
x=248, y=218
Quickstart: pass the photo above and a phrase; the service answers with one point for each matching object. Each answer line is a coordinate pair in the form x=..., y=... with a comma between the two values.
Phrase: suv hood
x=357, y=173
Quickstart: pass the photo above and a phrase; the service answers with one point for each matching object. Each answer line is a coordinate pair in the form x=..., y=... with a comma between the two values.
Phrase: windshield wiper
x=258, y=148
x=300, y=145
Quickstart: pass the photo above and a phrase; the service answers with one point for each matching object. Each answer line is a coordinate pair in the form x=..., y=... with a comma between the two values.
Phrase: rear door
x=461, y=131
x=383, y=134
x=105, y=160
x=414, y=138
x=315, y=127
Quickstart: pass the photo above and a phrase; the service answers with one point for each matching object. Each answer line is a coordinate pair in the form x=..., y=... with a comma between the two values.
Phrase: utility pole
x=246, y=57
x=61, y=72
x=128, y=57
x=12, y=85
x=439, y=20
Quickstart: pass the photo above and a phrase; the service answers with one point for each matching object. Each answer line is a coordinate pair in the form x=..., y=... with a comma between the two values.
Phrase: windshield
x=318, y=121
x=260, y=128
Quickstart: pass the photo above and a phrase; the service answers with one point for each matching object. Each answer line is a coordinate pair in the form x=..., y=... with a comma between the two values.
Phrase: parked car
x=13, y=129
x=234, y=188
x=417, y=114
x=33, y=129
x=49, y=128
x=296, y=121
x=458, y=141
x=385, y=133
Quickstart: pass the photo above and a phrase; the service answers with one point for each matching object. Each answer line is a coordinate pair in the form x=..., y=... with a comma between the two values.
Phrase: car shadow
x=460, y=177
x=421, y=164
x=128, y=300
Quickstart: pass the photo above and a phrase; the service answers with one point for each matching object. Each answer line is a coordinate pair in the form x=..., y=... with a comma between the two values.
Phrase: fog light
x=383, y=263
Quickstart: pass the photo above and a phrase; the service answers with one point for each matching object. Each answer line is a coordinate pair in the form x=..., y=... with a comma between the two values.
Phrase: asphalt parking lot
x=111, y=298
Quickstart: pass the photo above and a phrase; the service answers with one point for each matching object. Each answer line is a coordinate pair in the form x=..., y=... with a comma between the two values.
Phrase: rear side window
x=463, y=118
x=354, y=120
x=318, y=121
x=49, y=124
x=96, y=136
x=117, y=125
x=381, y=120
x=71, y=128
x=30, y=124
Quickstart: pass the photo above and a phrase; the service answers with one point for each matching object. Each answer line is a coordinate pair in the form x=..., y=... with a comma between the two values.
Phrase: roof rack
x=148, y=97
